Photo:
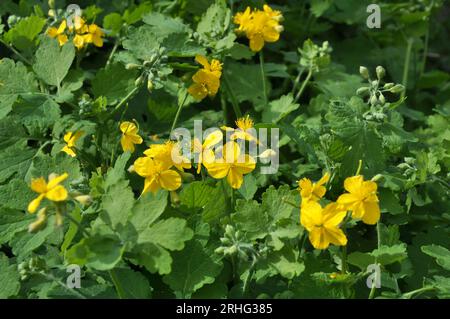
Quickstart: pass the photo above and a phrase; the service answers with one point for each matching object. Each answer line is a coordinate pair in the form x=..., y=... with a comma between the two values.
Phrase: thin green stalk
x=10, y=47
x=124, y=100
x=425, y=52
x=119, y=289
x=302, y=88
x=418, y=291
x=263, y=76
x=234, y=101
x=180, y=106
x=113, y=51
x=59, y=282
x=81, y=228
x=406, y=66
x=373, y=289
x=297, y=81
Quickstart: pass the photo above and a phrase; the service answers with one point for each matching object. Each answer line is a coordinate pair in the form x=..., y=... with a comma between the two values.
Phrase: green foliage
x=322, y=85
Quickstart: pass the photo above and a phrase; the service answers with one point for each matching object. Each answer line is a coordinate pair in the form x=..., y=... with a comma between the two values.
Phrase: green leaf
x=134, y=14
x=287, y=263
x=278, y=109
x=386, y=255
x=113, y=22
x=23, y=34
x=148, y=209
x=15, y=160
x=101, y=252
x=163, y=25
x=53, y=62
x=169, y=233
x=441, y=254
x=251, y=219
x=37, y=113
x=249, y=187
x=117, y=204
x=12, y=222
x=117, y=173
x=114, y=90
x=24, y=243
x=44, y=165
x=9, y=278
x=131, y=284
x=14, y=80
x=192, y=268
x=318, y=7
x=196, y=194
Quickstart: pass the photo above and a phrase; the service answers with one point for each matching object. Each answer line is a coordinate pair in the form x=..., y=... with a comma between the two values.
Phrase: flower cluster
x=259, y=26
x=323, y=224
x=81, y=33
x=206, y=80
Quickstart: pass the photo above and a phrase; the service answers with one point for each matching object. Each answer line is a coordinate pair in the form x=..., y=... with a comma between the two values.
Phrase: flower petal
x=170, y=180
x=57, y=194
x=53, y=181
x=39, y=185
x=372, y=213
x=34, y=204
x=235, y=178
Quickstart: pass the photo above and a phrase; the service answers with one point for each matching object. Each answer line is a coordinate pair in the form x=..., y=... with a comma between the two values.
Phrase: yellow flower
x=243, y=131
x=232, y=165
x=129, y=136
x=312, y=191
x=259, y=26
x=157, y=175
x=361, y=199
x=170, y=154
x=51, y=190
x=70, y=138
x=79, y=25
x=323, y=224
x=79, y=41
x=243, y=19
x=203, y=149
x=95, y=35
x=58, y=33
x=206, y=80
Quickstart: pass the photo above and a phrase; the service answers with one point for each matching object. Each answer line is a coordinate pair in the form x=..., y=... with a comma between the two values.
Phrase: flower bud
x=268, y=153
x=373, y=100
x=364, y=72
x=229, y=230
x=83, y=199
x=149, y=85
x=219, y=250
x=381, y=99
x=131, y=66
x=398, y=88
x=139, y=81
x=40, y=222
x=231, y=250
x=174, y=198
x=388, y=86
x=51, y=13
x=279, y=28
x=362, y=91
x=381, y=72
x=377, y=178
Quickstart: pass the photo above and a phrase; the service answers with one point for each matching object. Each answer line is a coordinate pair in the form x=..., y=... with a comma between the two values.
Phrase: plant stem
x=302, y=88
x=406, y=67
x=374, y=286
x=297, y=81
x=59, y=282
x=119, y=289
x=124, y=100
x=81, y=228
x=418, y=291
x=180, y=106
x=263, y=76
x=234, y=102
x=425, y=52
x=10, y=47
x=113, y=51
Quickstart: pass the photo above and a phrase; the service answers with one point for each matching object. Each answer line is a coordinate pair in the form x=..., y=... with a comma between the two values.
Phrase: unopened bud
x=381, y=99
x=388, y=86
x=83, y=199
x=149, y=85
x=269, y=153
x=51, y=13
x=377, y=178
x=364, y=72
x=131, y=169
x=139, y=81
x=398, y=88
x=279, y=28
x=381, y=72
x=362, y=91
x=174, y=198
x=219, y=250
x=40, y=222
x=132, y=66
x=373, y=100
